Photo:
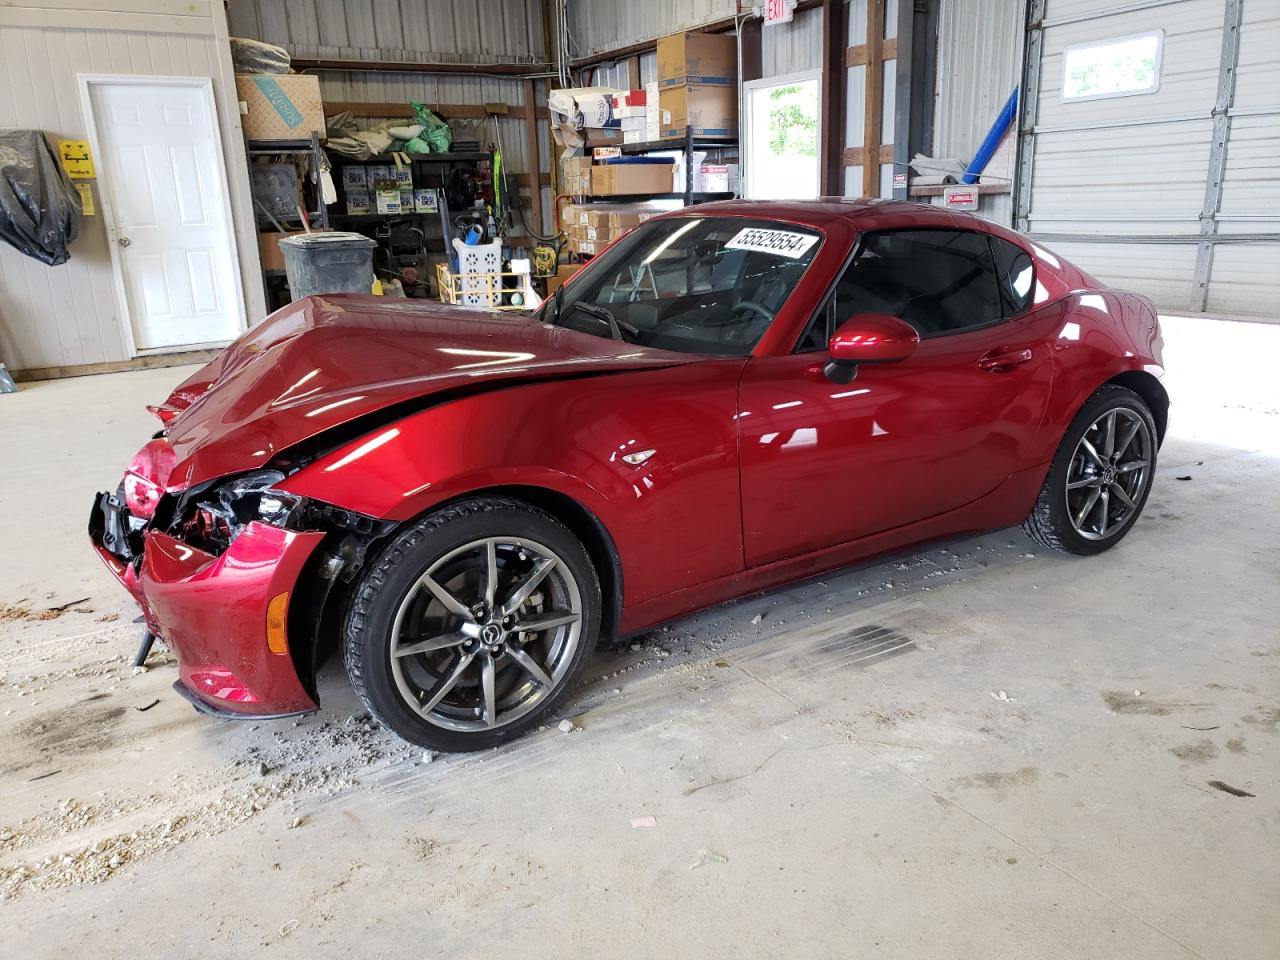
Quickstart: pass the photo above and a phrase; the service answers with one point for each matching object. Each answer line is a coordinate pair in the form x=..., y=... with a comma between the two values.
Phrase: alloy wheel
x=1109, y=473
x=486, y=633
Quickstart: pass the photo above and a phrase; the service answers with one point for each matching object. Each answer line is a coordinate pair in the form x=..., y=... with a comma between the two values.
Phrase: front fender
x=675, y=517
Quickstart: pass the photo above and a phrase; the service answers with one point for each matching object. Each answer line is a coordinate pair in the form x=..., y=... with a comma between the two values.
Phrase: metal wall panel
x=1161, y=271
x=1147, y=179
x=470, y=31
x=1122, y=167
x=1258, y=71
x=597, y=26
x=1245, y=279
x=68, y=315
x=979, y=63
x=793, y=47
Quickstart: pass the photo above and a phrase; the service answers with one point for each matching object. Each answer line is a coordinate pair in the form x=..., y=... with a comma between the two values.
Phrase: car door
x=825, y=463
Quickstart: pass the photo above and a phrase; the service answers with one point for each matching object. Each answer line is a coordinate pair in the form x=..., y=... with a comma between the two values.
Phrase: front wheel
x=1100, y=477
x=472, y=625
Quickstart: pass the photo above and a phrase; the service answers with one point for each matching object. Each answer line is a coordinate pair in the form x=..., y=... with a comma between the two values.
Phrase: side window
x=1016, y=275
x=939, y=281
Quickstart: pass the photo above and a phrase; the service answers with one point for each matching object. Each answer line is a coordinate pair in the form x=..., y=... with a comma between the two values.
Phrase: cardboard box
x=698, y=58
x=712, y=178
x=621, y=178
x=577, y=175
x=269, y=251
x=711, y=111
x=636, y=136
x=620, y=221
x=280, y=106
x=563, y=273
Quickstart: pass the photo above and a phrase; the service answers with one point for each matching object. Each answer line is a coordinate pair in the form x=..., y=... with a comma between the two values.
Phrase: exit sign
x=778, y=11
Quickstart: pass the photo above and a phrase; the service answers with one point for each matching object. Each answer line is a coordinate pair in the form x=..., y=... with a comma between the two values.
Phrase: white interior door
x=160, y=166
x=784, y=140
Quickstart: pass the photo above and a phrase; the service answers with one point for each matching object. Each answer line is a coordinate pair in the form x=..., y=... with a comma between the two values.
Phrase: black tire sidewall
x=386, y=582
x=1112, y=397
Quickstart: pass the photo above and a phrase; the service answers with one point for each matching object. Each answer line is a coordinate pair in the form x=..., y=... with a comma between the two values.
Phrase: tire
x=1055, y=520
x=406, y=637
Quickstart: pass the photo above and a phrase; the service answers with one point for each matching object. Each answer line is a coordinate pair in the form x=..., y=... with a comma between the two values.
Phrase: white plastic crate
x=482, y=258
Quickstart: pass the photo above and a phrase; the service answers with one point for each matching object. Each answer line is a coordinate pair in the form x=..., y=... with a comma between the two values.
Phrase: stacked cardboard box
x=591, y=227
x=698, y=85
x=639, y=114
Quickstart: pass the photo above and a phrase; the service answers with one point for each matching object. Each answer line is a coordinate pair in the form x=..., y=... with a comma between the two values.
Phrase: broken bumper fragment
x=225, y=617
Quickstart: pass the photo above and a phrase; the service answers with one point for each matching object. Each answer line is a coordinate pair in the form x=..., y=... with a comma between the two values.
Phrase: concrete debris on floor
x=968, y=746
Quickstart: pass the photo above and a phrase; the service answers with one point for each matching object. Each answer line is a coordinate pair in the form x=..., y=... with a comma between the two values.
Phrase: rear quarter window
x=1015, y=273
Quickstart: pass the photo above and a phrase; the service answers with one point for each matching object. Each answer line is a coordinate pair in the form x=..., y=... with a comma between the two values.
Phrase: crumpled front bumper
x=212, y=611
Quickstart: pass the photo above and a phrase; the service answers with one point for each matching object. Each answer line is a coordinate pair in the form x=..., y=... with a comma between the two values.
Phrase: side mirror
x=868, y=338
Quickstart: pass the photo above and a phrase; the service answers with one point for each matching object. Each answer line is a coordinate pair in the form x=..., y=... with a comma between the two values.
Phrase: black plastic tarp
x=39, y=208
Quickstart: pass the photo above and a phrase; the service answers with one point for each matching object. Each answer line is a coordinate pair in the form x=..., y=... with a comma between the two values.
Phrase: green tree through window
x=793, y=130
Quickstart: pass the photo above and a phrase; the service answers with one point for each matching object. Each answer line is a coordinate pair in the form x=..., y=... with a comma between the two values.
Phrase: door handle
x=1002, y=360
x=125, y=241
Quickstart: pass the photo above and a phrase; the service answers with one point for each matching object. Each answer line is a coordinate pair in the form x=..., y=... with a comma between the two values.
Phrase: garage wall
x=980, y=46
x=442, y=31
x=67, y=316
x=1128, y=186
x=460, y=31
x=597, y=26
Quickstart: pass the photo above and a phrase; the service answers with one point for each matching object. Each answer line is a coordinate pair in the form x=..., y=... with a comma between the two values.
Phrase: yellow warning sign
x=76, y=159
x=86, y=198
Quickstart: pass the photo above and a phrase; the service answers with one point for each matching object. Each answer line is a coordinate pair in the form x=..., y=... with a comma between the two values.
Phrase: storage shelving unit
x=269, y=148
x=687, y=145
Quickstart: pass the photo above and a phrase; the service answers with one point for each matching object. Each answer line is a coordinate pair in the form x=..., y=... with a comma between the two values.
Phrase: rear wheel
x=473, y=624
x=1100, y=477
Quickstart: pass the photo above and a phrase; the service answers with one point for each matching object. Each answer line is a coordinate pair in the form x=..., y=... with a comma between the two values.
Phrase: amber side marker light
x=277, y=642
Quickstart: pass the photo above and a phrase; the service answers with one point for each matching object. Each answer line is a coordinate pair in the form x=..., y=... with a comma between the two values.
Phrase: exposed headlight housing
x=216, y=517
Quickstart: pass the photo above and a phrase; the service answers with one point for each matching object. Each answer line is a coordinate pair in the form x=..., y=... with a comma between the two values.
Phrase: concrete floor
x=1030, y=774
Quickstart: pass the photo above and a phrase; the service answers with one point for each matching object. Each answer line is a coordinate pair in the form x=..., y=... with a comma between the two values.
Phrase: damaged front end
x=237, y=577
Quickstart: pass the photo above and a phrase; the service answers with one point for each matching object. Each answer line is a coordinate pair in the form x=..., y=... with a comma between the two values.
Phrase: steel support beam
x=1029, y=99
x=917, y=52
x=834, y=43
x=1227, y=64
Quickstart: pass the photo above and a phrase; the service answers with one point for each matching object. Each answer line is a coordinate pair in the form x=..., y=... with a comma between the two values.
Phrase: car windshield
x=709, y=285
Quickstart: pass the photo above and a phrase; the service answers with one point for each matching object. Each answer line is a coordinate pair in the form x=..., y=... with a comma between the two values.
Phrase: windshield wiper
x=604, y=315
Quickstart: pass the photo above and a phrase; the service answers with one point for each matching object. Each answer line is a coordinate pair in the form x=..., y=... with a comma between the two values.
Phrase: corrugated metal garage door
x=1173, y=193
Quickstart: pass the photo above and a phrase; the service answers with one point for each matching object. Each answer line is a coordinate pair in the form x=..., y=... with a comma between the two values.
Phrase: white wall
x=68, y=315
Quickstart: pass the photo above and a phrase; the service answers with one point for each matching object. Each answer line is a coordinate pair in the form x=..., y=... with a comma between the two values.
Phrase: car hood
x=335, y=360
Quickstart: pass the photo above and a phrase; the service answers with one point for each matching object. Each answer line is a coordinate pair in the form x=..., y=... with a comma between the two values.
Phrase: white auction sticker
x=784, y=243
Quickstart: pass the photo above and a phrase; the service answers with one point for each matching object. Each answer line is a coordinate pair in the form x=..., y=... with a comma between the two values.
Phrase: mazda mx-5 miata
x=727, y=399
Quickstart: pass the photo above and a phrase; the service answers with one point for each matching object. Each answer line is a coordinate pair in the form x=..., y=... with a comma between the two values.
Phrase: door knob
x=125, y=241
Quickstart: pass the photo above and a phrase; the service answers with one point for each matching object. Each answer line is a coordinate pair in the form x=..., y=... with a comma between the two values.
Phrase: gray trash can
x=328, y=263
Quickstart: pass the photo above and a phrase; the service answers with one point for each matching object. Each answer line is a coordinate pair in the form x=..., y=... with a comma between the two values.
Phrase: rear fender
x=1105, y=336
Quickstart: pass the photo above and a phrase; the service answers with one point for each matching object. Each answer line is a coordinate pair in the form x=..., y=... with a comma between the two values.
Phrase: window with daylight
x=1120, y=67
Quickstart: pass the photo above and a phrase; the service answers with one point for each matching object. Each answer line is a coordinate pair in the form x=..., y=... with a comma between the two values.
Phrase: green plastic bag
x=436, y=132
x=417, y=145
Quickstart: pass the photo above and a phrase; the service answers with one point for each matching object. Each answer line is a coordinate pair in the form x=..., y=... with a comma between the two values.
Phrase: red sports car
x=725, y=400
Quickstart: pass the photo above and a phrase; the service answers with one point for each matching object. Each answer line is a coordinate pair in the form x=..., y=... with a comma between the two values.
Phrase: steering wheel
x=753, y=307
